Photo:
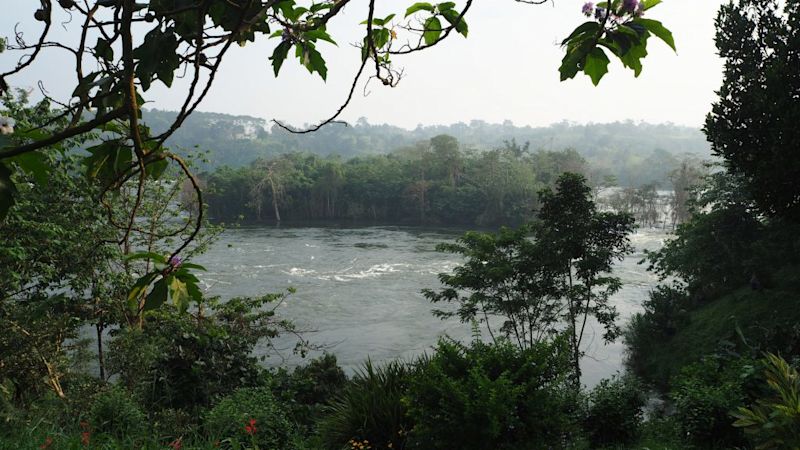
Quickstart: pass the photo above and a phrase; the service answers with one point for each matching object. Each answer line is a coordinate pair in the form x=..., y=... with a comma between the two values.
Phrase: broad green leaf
x=421, y=6
x=633, y=58
x=156, y=168
x=433, y=29
x=659, y=30
x=178, y=293
x=596, y=65
x=104, y=50
x=320, y=35
x=451, y=16
x=445, y=6
x=650, y=3
x=279, y=55
x=147, y=255
x=317, y=7
x=157, y=56
x=294, y=14
x=7, y=191
x=108, y=161
x=34, y=164
x=158, y=296
x=574, y=57
x=584, y=28
x=312, y=60
x=194, y=292
x=139, y=288
x=193, y=266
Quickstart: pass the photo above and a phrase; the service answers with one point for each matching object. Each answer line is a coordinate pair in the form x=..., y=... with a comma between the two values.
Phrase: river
x=358, y=289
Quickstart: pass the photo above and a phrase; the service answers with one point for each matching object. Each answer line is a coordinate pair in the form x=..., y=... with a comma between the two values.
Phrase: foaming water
x=359, y=288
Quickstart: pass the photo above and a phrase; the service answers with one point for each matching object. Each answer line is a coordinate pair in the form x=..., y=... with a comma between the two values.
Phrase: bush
x=705, y=396
x=369, y=409
x=491, y=397
x=774, y=420
x=614, y=412
x=308, y=388
x=184, y=361
x=665, y=311
x=115, y=413
x=230, y=417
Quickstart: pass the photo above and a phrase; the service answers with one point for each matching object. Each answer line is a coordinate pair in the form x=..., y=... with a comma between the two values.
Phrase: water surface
x=358, y=289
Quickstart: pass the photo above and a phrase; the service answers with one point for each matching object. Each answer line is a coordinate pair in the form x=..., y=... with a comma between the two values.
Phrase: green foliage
x=114, y=412
x=615, y=412
x=504, y=275
x=617, y=27
x=582, y=244
x=705, y=395
x=370, y=408
x=228, y=418
x=774, y=421
x=751, y=125
x=307, y=389
x=665, y=311
x=491, y=396
x=183, y=361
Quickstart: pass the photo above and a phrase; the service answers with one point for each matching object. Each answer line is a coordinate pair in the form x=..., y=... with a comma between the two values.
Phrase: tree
x=753, y=125
x=582, y=245
x=550, y=275
x=503, y=277
x=684, y=181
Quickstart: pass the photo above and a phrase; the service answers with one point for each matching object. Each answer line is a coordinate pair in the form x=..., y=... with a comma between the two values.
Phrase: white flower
x=6, y=125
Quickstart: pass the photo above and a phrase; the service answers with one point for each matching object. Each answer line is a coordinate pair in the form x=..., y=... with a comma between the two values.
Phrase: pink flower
x=587, y=9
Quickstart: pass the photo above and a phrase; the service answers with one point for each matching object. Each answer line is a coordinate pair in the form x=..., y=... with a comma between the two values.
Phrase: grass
x=714, y=324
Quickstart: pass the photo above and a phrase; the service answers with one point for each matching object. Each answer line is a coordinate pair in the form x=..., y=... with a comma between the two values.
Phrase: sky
x=507, y=69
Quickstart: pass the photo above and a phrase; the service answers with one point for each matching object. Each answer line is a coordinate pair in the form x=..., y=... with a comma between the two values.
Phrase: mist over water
x=358, y=289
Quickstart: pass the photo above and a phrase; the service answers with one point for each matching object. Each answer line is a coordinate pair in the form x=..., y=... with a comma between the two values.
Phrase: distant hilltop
x=238, y=140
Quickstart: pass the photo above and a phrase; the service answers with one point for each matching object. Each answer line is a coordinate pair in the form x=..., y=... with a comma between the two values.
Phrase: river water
x=358, y=289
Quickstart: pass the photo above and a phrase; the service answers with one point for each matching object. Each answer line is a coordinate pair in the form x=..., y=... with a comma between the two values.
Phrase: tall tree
x=582, y=245
x=753, y=125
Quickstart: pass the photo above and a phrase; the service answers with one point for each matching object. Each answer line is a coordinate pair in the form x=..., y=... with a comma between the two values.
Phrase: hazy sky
x=506, y=70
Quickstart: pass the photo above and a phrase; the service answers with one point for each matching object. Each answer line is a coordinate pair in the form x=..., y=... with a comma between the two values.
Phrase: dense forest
x=433, y=182
x=110, y=341
x=634, y=153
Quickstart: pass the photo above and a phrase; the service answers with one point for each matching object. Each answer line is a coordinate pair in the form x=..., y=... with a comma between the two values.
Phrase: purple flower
x=587, y=9
x=599, y=13
x=629, y=5
x=175, y=261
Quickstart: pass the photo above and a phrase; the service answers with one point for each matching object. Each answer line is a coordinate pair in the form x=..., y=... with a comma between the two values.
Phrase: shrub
x=231, y=417
x=491, y=396
x=369, y=409
x=665, y=311
x=705, y=395
x=184, y=361
x=614, y=412
x=308, y=388
x=115, y=413
x=774, y=421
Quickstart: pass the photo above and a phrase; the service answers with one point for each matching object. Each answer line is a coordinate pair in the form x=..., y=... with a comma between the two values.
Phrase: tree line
x=434, y=182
